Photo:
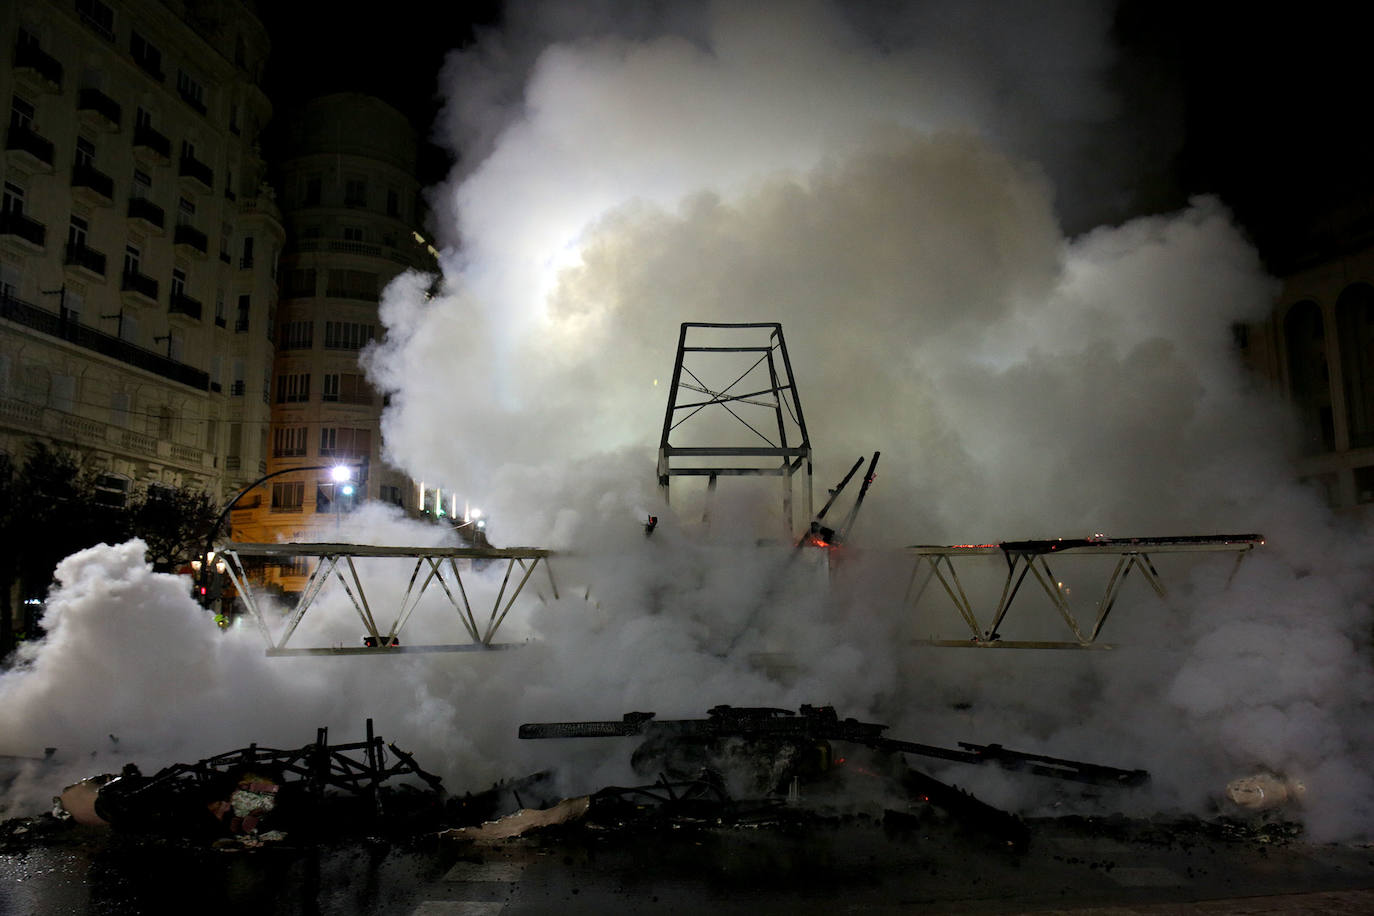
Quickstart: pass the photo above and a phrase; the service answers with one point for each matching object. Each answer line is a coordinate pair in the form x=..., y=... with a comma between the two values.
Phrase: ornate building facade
x=352, y=204
x=138, y=241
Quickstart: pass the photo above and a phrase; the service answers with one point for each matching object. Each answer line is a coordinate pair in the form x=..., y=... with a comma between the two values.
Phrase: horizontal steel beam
x=1008, y=644
x=727, y=472
x=738, y=451
x=391, y=650
x=290, y=549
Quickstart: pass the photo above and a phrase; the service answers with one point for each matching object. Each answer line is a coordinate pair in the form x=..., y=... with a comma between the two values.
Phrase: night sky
x=1267, y=108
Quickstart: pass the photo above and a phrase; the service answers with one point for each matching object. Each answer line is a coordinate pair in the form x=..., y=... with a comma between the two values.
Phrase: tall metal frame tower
x=749, y=422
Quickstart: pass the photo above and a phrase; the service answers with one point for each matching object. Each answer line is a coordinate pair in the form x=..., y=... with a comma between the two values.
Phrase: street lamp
x=341, y=473
x=202, y=570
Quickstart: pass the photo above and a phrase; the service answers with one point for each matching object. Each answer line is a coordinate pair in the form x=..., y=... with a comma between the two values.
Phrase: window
x=247, y=260
x=287, y=496
x=143, y=183
x=146, y=55
x=21, y=113
x=237, y=388
x=219, y=308
x=85, y=153
x=393, y=202
x=311, y=195
x=355, y=192
x=245, y=308
x=352, y=284
x=234, y=119
x=62, y=394
x=131, y=260
x=128, y=328
x=120, y=409
x=186, y=211
x=346, y=388
x=190, y=89
x=288, y=442
x=226, y=235
x=96, y=15
x=14, y=199
x=216, y=371
x=188, y=149
x=143, y=118
x=73, y=303
x=112, y=489
x=346, y=335
x=76, y=233
x=10, y=281
x=296, y=335
x=178, y=282
x=292, y=389
x=166, y=423
x=300, y=282
x=343, y=442
x=352, y=233
x=390, y=494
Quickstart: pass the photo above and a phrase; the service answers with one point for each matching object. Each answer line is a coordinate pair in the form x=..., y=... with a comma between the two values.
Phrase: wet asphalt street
x=850, y=866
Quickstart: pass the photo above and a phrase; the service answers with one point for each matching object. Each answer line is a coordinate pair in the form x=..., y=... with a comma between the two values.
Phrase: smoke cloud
x=892, y=186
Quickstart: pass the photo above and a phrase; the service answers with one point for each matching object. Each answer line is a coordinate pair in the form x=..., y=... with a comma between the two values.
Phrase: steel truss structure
x=771, y=398
x=336, y=560
x=1031, y=557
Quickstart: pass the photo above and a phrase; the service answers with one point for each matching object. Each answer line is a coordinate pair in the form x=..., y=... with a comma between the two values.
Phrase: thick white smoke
x=889, y=198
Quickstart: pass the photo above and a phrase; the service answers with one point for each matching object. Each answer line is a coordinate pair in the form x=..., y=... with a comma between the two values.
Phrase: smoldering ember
x=882, y=506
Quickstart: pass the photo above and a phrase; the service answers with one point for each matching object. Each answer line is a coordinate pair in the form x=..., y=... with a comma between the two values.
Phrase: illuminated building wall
x=137, y=240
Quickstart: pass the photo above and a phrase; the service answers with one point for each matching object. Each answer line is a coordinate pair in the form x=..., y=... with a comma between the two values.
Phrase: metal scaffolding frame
x=777, y=396
x=1031, y=557
x=337, y=559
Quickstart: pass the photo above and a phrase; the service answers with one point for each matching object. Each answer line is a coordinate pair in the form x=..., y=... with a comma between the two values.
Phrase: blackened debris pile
x=257, y=792
x=738, y=751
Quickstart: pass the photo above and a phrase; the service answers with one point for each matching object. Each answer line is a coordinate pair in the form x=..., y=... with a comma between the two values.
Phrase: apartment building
x=351, y=205
x=138, y=239
x=1318, y=346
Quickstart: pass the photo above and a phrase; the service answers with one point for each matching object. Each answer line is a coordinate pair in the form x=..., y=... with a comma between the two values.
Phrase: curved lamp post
x=340, y=473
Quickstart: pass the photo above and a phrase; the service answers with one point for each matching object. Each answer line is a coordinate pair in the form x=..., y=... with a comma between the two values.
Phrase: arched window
x=1308, y=377
x=1355, y=339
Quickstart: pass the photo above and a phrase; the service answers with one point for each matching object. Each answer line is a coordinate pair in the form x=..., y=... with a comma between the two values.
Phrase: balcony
x=185, y=307
x=226, y=257
x=26, y=145
x=190, y=238
x=98, y=108
x=138, y=287
x=193, y=169
x=147, y=213
x=19, y=226
x=91, y=185
x=246, y=262
x=152, y=144
x=46, y=322
x=414, y=257
x=237, y=388
x=29, y=59
x=345, y=291
x=87, y=259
